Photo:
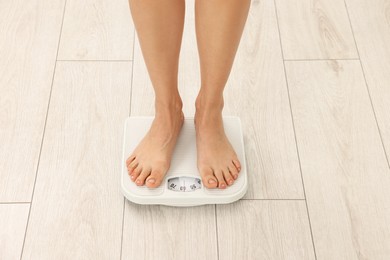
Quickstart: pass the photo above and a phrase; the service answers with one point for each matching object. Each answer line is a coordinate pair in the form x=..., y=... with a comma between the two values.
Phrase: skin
x=159, y=24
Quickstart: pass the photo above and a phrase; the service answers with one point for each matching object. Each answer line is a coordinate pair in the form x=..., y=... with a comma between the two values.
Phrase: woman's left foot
x=217, y=161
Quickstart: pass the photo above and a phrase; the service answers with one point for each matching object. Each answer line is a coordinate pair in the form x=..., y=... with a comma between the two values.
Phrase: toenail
x=223, y=185
x=211, y=181
x=236, y=176
x=231, y=181
x=132, y=177
x=138, y=182
x=151, y=180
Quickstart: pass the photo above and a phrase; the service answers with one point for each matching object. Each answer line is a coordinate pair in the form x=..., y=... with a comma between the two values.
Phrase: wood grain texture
x=371, y=26
x=346, y=175
x=13, y=221
x=97, y=30
x=264, y=230
x=315, y=29
x=162, y=232
x=256, y=91
x=29, y=33
x=78, y=207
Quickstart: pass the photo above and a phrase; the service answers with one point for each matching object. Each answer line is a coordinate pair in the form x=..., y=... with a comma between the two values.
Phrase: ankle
x=208, y=111
x=173, y=104
x=209, y=102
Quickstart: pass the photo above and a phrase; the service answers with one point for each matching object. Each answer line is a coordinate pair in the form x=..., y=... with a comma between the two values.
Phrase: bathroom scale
x=182, y=185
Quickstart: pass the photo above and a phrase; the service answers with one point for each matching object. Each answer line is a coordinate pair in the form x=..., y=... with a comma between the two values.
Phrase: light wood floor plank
x=256, y=91
x=29, y=33
x=77, y=207
x=371, y=27
x=97, y=30
x=13, y=221
x=161, y=232
x=315, y=29
x=264, y=230
x=345, y=172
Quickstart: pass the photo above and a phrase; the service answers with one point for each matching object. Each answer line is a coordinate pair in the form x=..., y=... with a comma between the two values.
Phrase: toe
x=155, y=178
x=130, y=159
x=132, y=166
x=141, y=178
x=237, y=164
x=233, y=170
x=208, y=178
x=135, y=173
x=220, y=178
x=228, y=177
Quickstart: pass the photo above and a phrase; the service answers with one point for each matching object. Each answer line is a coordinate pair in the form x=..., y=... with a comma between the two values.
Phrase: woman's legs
x=219, y=26
x=159, y=25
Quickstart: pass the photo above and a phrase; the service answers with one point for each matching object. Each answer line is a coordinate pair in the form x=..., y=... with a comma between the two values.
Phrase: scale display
x=182, y=185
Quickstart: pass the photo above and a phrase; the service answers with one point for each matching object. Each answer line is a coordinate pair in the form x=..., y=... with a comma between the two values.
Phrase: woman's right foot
x=151, y=159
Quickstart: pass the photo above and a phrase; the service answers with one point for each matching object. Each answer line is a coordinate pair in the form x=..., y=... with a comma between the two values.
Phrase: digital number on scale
x=184, y=184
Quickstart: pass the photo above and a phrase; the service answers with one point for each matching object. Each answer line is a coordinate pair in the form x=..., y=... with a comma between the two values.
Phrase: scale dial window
x=184, y=184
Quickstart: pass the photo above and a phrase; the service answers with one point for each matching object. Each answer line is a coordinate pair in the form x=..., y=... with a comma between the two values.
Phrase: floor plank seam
x=216, y=228
x=292, y=121
x=320, y=59
x=123, y=224
x=367, y=88
x=96, y=60
x=44, y=128
x=273, y=199
x=15, y=202
x=132, y=72
x=131, y=90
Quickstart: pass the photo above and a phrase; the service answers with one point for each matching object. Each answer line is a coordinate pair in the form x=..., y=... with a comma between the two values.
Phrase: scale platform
x=182, y=185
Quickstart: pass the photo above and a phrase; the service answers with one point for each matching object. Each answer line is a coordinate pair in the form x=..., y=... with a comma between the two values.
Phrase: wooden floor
x=310, y=82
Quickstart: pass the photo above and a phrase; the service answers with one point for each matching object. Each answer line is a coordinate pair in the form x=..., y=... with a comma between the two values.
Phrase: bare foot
x=217, y=161
x=151, y=159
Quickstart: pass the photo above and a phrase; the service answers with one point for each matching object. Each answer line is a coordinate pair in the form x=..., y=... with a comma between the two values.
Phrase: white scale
x=182, y=185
